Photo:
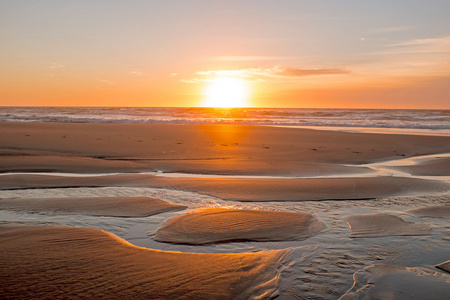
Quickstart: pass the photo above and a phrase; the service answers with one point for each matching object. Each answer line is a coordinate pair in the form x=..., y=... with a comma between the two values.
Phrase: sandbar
x=432, y=167
x=239, y=189
x=212, y=225
x=69, y=164
x=376, y=225
x=96, y=206
x=441, y=211
x=71, y=262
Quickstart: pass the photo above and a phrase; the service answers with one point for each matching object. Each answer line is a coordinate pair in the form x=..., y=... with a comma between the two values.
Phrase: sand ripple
x=93, y=206
x=93, y=264
x=203, y=226
x=442, y=211
x=373, y=225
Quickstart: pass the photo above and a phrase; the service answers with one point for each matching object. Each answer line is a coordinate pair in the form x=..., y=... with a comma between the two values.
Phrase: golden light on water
x=226, y=92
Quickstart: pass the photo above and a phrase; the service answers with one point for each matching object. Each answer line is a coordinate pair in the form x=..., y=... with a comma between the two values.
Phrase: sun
x=226, y=92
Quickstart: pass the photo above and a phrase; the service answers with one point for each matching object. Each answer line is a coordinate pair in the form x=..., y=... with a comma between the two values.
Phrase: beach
x=221, y=212
x=283, y=150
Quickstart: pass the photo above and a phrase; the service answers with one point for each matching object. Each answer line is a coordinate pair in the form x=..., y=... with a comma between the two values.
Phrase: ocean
x=431, y=121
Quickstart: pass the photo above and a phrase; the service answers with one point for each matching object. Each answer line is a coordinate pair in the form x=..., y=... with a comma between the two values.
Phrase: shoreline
x=350, y=129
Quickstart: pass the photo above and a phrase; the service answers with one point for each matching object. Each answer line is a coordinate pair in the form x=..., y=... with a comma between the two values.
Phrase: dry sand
x=375, y=225
x=99, y=206
x=212, y=225
x=64, y=262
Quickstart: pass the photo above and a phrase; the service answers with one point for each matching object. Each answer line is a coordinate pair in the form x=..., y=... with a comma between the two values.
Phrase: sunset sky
x=284, y=53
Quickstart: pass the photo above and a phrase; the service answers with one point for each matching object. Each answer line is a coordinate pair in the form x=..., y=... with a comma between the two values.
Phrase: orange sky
x=296, y=53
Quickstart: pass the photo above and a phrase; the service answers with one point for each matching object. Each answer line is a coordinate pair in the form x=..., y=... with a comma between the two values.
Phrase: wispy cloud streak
x=393, y=29
x=247, y=58
x=265, y=73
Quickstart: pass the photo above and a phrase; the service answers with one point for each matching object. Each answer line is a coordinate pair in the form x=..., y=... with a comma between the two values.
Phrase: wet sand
x=298, y=189
x=212, y=225
x=300, y=181
x=215, y=146
x=56, y=262
x=444, y=266
x=374, y=225
x=432, y=211
x=393, y=282
x=434, y=167
x=98, y=206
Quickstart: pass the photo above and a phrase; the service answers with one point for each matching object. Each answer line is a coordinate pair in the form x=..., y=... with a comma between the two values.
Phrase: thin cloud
x=265, y=73
x=417, y=57
x=55, y=66
x=246, y=58
x=442, y=43
x=393, y=29
x=137, y=73
x=295, y=72
x=194, y=80
x=228, y=73
x=418, y=46
x=104, y=81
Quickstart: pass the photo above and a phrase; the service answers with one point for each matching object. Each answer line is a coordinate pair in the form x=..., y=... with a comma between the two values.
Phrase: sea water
x=431, y=120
